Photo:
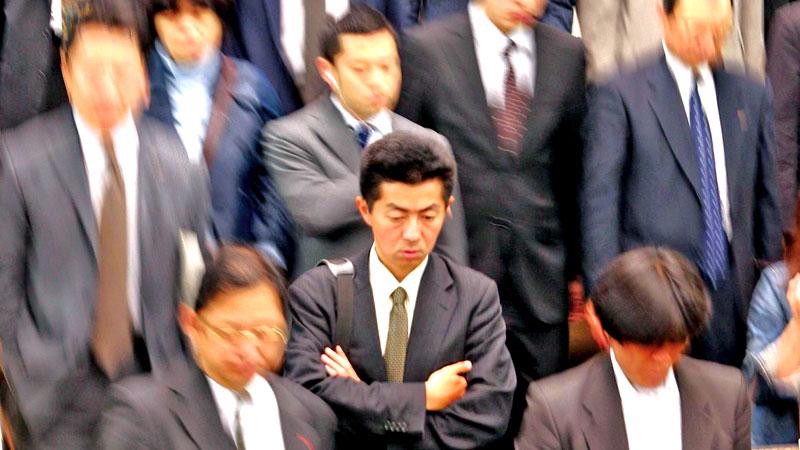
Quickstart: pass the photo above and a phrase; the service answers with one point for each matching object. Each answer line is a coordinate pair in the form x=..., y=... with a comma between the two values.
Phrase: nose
x=411, y=232
x=248, y=350
x=662, y=357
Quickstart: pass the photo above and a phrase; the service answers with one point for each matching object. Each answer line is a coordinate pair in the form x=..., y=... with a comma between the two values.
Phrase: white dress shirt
x=259, y=415
x=293, y=30
x=490, y=43
x=652, y=415
x=380, y=123
x=126, y=148
x=383, y=283
x=684, y=77
x=56, y=19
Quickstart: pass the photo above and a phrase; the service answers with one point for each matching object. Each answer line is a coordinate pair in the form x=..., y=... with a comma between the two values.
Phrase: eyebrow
x=400, y=208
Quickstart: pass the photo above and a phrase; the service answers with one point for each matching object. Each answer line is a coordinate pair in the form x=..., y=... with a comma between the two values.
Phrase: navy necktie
x=714, y=258
x=362, y=133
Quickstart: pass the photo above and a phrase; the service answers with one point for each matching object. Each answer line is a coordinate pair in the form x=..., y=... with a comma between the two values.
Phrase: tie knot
x=399, y=297
x=362, y=133
x=509, y=48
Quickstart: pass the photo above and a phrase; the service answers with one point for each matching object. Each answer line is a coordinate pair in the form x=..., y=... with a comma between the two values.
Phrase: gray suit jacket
x=580, y=409
x=456, y=317
x=30, y=73
x=48, y=267
x=617, y=33
x=314, y=159
x=178, y=412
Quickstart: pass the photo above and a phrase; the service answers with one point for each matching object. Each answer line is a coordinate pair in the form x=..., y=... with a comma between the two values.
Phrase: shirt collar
x=386, y=281
x=381, y=121
x=206, y=71
x=488, y=36
x=684, y=75
x=124, y=136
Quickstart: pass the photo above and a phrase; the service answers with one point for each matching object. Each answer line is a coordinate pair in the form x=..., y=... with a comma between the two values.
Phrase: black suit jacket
x=48, y=266
x=642, y=177
x=177, y=411
x=521, y=212
x=30, y=70
x=456, y=317
x=580, y=409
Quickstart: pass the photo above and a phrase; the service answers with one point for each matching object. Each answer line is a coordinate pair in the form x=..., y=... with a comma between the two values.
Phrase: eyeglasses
x=264, y=334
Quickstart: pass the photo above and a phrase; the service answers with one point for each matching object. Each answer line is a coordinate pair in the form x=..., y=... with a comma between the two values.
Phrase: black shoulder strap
x=344, y=272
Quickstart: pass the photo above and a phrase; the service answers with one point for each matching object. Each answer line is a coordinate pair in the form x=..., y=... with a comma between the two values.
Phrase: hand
x=793, y=297
x=337, y=364
x=446, y=385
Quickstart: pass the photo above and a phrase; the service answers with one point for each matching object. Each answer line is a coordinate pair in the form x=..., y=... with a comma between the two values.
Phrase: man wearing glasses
x=680, y=154
x=229, y=397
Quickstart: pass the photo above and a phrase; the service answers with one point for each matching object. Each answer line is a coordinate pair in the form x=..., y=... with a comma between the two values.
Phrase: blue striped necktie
x=714, y=258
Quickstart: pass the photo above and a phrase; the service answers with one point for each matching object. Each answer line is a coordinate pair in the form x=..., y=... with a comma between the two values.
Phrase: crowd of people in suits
x=393, y=205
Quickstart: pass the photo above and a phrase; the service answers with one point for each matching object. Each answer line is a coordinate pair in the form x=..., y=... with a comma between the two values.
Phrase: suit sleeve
x=370, y=407
x=453, y=239
x=415, y=93
x=14, y=229
x=538, y=430
x=123, y=425
x=319, y=205
x=767, y=230
x=481, y=417
x=606, y=155
x=783, y=68
x=743, y=417
x=599, y=21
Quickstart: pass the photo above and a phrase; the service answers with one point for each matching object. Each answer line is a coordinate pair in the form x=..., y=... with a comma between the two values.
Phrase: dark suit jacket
x=246, y=206
x=30, y=70
x=580, y=409
x=314, y=158
x=456, y=317
x=48, y=269
x=783, y=70
x=521, y=212
x=560, y=14
x=642, y=181
x=178, y=411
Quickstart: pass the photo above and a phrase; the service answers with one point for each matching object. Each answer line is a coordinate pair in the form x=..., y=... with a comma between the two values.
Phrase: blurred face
x=366, y=71
x=406, y=220
x=237, y=335
x=696, y=29
x=104, y=75
x=508, y=14
x=189, y=32
x=647, y=365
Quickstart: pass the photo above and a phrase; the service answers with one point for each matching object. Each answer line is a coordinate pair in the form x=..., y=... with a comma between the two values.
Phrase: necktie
x=112, y=340
x=510, y=120
x=714, y=257
x=363, y=132
x=239, y=432
x=395, y=354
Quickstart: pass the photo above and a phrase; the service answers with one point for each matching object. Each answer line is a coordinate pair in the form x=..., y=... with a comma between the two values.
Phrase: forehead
x=411, y=196
x=380, y=44
x=703, y=9
x=99, y=41
x=259, y=303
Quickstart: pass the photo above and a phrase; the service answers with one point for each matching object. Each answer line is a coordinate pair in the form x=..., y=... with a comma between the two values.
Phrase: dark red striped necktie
x=510, y=120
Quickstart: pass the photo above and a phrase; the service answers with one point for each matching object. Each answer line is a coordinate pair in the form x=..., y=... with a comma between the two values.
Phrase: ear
x=65, y=73
x=449, y=209
x=187, y=319
x=595, y=327
x=363, y=209
x=326, y=71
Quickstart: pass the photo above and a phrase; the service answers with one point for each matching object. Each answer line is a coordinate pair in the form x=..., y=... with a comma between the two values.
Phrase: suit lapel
x=431, y=320
x=366, y=345
x=291, y=427
x=734, y=121
x=603, y=422
x=194, y=405
x=697, y=429
x=334, y=132
x=66, y=155
x=667, y=104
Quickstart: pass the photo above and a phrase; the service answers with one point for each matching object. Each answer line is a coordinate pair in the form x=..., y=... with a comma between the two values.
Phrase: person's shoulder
x=787, y=17
x=30, y=141
x=466, y=278
x=439, y=30
x=143, y=393
x=313, y=404
x=561, y=391
x=300, y=122
x=725, y=380
x=564, y=42
x=253, y=87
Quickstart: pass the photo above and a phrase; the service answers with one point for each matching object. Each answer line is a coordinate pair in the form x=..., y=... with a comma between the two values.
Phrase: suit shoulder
x=295, y=124
x=724, y=379
x=432, y=33
x=560, y=39
x=786, y=18
x=28, y=140
x=254, y=87
x=141, y=392
x=466, y=278
x=313, y=404
x=316, y=279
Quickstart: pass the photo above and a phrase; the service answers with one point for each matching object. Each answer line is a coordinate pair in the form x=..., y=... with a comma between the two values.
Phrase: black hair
x=359, y=19
x=121, y=14
x=222, y=8
x=406, y=157
x=651, y=296
x=239, y=267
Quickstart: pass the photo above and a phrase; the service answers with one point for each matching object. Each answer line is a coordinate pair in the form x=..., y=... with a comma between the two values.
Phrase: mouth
x=411, y=254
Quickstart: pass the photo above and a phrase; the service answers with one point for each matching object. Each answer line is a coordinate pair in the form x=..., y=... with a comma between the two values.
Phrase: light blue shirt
x=191, y=95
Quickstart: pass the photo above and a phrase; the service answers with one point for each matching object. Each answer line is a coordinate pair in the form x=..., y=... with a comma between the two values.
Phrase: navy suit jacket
x=641, y=175
x=456, y=317
x=246, y=206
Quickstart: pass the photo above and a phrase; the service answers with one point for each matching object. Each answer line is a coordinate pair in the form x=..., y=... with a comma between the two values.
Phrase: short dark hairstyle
x=406, y=157
x=359, y=19
x=670, y=5
x=239, y=267
x=122, y=14
x=222, y=8
x=651, y=296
